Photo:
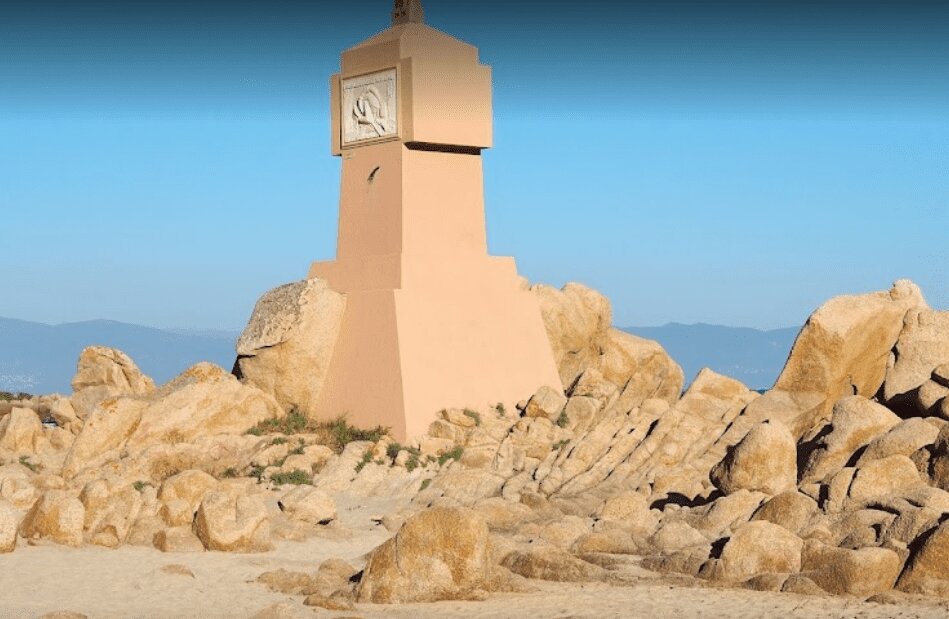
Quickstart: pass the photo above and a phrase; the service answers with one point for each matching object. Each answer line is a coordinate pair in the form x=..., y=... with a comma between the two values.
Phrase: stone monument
x=431, y=320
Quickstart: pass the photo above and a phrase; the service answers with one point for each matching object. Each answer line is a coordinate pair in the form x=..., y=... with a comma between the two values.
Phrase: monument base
x=421, y=334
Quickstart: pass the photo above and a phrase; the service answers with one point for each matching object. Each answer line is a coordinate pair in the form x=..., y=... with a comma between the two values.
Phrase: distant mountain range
x=754, y=357
x=39, y=358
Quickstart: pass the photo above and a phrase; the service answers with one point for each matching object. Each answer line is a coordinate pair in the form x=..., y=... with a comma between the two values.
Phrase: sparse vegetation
x=561, y=444
x=7, y=396
x=230, y=473
x=295, y=477
x=366, y=459
x=473, y=415
x=336, y=434
x=141, y=485
x=279, y=441
x=425, y=484
x=393, y=449
x=25, y=461
x=454, y=454
x=413, y=462
x=563, y=420
x=298, y=450
x=257, y=472
x=502, y=411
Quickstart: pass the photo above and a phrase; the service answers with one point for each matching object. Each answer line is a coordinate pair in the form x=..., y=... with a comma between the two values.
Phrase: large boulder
x=287, y=346
x=842, y=571
x=110, y=368
x=883, y=477
x=923, y=346
x=21, y=432
x=233, y=522
x=308, y=504
x=203, y=401
x=855, y=422
x=759, y=547
x=440, y=554
x=764, y=461
x=9, y=522
x=791, y=510
x=57, y=516
x=843, y=349
x=903, y=439
x=927, y=570
x=110, y=511
x=578, y=322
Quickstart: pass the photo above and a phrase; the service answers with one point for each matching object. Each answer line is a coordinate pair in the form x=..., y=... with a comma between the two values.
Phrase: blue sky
x=165, y=163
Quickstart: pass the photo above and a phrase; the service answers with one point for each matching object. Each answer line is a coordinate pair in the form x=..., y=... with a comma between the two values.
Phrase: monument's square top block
x=414, y=84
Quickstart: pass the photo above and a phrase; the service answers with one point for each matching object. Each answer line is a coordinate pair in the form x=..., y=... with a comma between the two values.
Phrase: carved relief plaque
x=369, y=107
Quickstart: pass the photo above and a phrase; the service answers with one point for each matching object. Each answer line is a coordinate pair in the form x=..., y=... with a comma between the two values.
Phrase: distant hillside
x=39, y=358
x=754, y=357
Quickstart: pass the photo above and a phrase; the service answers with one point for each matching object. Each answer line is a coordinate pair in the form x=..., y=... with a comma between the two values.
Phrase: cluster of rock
x=835, y=481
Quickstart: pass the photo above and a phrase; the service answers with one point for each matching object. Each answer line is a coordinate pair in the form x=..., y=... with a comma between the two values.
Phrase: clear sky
x=166, y=162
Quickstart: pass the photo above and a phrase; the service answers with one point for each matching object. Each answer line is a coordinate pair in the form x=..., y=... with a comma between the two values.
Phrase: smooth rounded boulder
x=765, y=460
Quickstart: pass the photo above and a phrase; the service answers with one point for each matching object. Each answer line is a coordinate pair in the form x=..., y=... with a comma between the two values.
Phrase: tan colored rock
x=188, y=487
x=233, y=523
x=901, y=440
x=855, y=422
x=439, y=554
x=107, y=367
x=631, y=511
x=844, y=350
x=883, y=477
x=9, y=523
x=840, y=571
x=308, y=504
x=547, y=402
x=203, y=401
x=57, y=516
x=21, y=432
x=676, y=535
x=578, y=322
x=177, y=539
x=16, y=485
x=923, y=346
x=287, y=346
x=286, y=582
x=760, y=547
x=564, y=532
x=765, y=461
x=110, y=512
x=724, y=514
x=928, y=568
x=553, y=564
x=791, y=510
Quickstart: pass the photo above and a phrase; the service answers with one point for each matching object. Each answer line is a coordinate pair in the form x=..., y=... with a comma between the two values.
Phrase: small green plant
x=502, y=412
x=6, y=396
x=25, y=461
x=473, y=415
x=366, y=459
x=255, y=431
x=412, y=463
x=425, y=484
x=393, y=449
x=230, y=473
x=561, y=444
x=295, y=477
x=279, y=441
x=298, y=450
x=141, y=485
x=257, y=472
x=563, y=420
x=454, y=454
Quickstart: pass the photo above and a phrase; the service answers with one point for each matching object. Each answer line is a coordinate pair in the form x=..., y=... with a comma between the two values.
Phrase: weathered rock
x=901, y=440
x=439, y=554
x=676, y=535
x=189, y=487
x=203, y=401
x=547, y=402
x=765, y=460
x=308, y=504
x=880, y=478
x=110, y=511
x=286, y=582
x=759, y=547
x=631, y=511
x=9, y=522
x=844, y=349
x=233, y=523
x=855, y=422
x=928, y=568
x=862, y=572
x=719, y=517
x=550, y=563
x=57, y=516
x=177, y=539
x=923, y=346
x=929, y=398
x=287, y=346
x=578, y=322
x=791, y=510
x=110, y=368
x=21, y=432
x=16, y=486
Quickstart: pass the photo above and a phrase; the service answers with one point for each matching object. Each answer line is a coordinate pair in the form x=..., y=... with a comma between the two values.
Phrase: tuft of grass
x=336, y=433
x=141, y=485
x=279, y=441
x=473, y=415
x=366, y=459
x=454, y=454
x=295, y=477
x=25, y=461
x=7, y=396
x=230, y=473
x=501, y=410
x=425, y=484
x=563, y=420
x=257, y=472
x=298, y=450
x=393, y=449
x=561, y=444
x=412, y=463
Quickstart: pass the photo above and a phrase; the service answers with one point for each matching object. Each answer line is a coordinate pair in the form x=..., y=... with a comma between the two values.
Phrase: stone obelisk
x=431, y=320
